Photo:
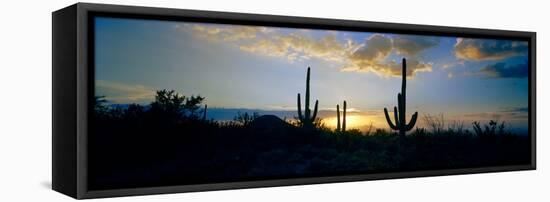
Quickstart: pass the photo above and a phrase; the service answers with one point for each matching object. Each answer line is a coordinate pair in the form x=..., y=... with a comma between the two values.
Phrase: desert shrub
x=244, y=119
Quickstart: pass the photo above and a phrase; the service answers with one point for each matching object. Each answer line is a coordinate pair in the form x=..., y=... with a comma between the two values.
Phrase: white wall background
x=25, y=102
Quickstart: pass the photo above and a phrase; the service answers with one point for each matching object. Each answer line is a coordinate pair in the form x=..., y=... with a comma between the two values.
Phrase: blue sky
x=264, y=68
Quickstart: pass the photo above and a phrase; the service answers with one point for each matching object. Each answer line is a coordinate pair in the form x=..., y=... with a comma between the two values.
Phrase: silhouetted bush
x=244, y=119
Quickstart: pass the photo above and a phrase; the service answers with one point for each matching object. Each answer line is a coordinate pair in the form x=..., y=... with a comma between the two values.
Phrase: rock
x=269, y=123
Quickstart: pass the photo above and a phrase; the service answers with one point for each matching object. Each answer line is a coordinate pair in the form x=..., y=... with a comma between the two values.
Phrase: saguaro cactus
x=343, y=128
x=307, y=118
x=400, y=110
x=204, y=112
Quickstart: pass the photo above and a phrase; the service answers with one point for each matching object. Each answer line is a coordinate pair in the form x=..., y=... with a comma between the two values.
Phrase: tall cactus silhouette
x=400, y=110
x=338, y=118
x=307, y=118
x=343, y=128
x=204, y=112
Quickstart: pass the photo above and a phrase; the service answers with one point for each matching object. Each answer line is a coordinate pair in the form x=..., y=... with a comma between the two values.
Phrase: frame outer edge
x=82, y=100
x=533, y=89
x=64, y=144
x=83, y=71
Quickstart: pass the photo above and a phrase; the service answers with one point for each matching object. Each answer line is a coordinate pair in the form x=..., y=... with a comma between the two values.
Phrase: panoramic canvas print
x=179, y=103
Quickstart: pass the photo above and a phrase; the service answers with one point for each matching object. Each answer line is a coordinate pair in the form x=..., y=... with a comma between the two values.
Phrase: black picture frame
x=73, y=87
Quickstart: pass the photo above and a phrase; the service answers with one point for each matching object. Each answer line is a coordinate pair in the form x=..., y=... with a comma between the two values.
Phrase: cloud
x=372, y=57
x=502, y=70
x=517, y=109
x=225, y=33
x=508, y=116
x=453, y=64
x=413, y=44
x=391, y=68
x=368, y=56
x=124, y=93
x=450, y=75
x=376, y=48
x=486, y=49
x=294, y=46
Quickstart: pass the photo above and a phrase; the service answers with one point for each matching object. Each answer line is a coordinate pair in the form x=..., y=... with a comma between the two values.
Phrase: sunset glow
x=361, y=122
x=257, y=68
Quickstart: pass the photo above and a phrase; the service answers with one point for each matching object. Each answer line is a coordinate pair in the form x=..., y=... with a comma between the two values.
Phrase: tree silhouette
x=99, y=105
x=172, y=106
x=192, y=106
x=168, y=105
x=134, y=111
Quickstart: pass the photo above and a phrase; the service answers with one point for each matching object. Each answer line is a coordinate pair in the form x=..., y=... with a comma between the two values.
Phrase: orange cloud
x=373, y=58
x=413, y=44
x=294, y=46
x=486, y=49
x=115, y=92
x=369, y=56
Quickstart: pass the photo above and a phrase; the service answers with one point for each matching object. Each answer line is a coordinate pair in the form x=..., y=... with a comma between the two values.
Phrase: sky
x=255, y=68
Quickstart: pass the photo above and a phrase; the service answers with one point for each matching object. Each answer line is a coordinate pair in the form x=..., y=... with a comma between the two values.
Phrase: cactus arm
x=337, y=117
x=315, y=111
x=300, y=108
x=410, y=126
x=388, y=119
x=344, y=116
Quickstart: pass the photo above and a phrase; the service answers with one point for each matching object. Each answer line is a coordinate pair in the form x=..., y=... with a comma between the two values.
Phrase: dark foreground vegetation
x=172, y=142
